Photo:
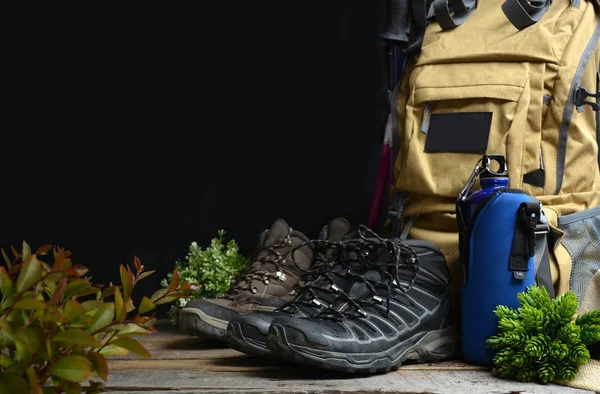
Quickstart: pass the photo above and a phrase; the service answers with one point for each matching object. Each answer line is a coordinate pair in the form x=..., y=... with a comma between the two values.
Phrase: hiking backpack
x=513, y=77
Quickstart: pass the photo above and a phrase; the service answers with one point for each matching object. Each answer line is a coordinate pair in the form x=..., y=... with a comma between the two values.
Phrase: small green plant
x=57, y=327
x=543, y=340
x=215, y=268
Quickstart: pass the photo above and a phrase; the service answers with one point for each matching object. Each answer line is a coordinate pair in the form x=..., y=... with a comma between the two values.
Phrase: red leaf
x=58, y=293
x=43, y=249
x=6, y=259
x=137, y=263
x=77, y=270
x=175, y=280
x=15, y=253
x=59, y=259
x=126, y=281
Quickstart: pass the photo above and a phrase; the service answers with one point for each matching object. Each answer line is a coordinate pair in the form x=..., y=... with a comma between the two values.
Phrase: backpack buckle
x=580, y=99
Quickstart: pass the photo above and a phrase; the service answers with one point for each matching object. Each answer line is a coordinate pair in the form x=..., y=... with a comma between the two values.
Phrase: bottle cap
x=488, y=172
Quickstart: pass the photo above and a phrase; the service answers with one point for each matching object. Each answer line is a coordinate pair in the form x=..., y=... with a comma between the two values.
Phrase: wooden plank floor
x=185, y=364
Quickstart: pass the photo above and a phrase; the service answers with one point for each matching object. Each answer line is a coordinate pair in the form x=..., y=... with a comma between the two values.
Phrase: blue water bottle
x=496, y=245
x=489, y=180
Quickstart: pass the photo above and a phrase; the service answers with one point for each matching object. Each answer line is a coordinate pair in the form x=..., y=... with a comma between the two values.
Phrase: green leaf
x=31, y=272
x=127, y=282
x=131, y=344
x=5, y=339
x=7, y=329
x=169, y=298
x=73, y=310
x=30, y=305
x=5, y=360
x=132, y=329
x=6, y=259
x=103, y=317
x=111, y=350
x=33, y=380
x=129, y=306
x=72, y=388
x=72, y=368
x=50, y=316
x=89, y=306
x=6, y=284
x=145, y=274
x=146, y=305
x=108, y=291
x=30, y=337
x=95, y=388
x=120, y=313
x=158, y=293
x=13, y=383
x=99, y=364
x=76, y=286
x=26, y=251
x=75, y=336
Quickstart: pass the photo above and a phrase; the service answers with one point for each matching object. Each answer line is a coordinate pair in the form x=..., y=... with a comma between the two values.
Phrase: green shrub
x=543, y=340
x=215, y=268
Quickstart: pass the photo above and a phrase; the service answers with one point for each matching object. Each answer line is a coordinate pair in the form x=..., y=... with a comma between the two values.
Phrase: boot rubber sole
x=237, y=341
x=193, y=321
x=432, y=346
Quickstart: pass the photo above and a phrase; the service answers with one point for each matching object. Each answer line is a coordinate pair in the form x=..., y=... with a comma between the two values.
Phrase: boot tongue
x=280, y=229
x=337, y=229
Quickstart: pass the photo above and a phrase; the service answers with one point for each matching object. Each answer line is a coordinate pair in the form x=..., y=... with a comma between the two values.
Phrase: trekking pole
x=396, y=39
x=396, y=36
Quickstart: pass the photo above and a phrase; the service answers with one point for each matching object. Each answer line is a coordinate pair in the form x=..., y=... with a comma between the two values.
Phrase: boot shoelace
x=328, y=253
x=368, y=248
x=272, y=256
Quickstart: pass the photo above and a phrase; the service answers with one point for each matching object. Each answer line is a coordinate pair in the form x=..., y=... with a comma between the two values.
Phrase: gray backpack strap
x=543, y=275
x=451, y=13
x=523, y=13
x=598, y=113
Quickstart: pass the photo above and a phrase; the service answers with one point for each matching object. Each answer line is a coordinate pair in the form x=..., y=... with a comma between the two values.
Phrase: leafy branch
x=57, y=327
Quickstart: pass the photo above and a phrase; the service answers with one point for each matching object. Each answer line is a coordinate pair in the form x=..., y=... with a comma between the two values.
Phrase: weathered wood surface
x=185, y=364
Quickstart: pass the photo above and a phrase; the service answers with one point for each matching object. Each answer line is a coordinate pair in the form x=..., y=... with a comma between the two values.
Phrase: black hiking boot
x=265, y=286
x=248, y=333
x=398, y=308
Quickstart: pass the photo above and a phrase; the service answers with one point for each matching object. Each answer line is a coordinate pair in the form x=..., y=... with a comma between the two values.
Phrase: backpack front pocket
x=456, y=113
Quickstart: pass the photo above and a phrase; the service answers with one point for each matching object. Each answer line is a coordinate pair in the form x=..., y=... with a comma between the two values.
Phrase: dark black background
x=135, y=131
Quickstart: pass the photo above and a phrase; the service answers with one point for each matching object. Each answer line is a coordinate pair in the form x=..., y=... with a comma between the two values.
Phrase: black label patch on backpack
x=460, y=132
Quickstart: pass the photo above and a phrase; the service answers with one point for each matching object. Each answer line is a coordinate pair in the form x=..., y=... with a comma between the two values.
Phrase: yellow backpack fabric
x=531, y=80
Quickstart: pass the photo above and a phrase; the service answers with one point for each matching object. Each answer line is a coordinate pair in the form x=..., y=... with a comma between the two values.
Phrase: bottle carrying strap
x=530, y=240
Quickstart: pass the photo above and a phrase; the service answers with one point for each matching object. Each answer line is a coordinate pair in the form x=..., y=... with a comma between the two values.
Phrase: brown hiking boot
x=265, y=286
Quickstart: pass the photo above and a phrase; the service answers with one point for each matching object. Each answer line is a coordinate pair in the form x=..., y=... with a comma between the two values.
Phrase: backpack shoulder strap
x=523, y=13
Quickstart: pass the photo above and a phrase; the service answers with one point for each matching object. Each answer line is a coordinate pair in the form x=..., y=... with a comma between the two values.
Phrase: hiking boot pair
x=384, y=301
x=283, y=260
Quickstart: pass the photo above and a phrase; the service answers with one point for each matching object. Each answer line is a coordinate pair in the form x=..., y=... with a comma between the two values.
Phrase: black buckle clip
x=580, y=99
x=395, y=215
x=530, y=219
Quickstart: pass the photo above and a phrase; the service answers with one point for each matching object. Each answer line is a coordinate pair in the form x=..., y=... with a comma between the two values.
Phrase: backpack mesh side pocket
x=582, y=241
